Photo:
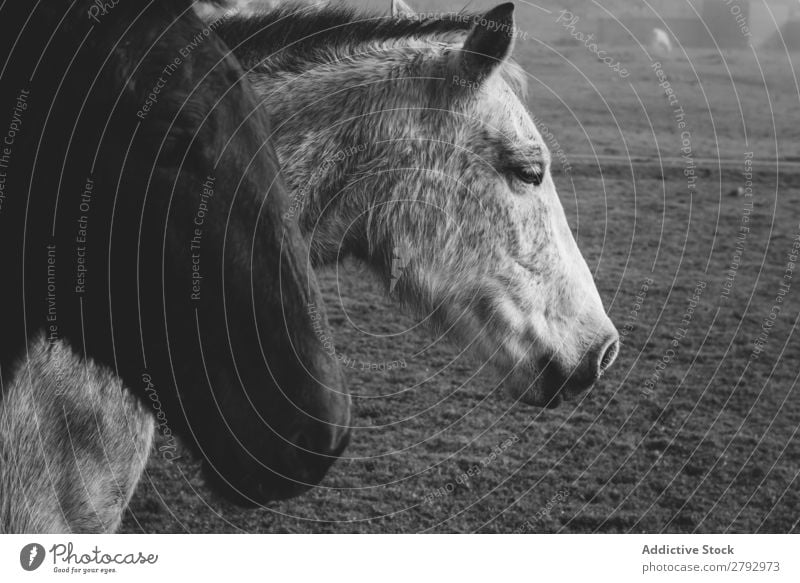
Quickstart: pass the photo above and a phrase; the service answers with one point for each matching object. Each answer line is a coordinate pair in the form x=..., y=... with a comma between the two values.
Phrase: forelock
x=293, y=38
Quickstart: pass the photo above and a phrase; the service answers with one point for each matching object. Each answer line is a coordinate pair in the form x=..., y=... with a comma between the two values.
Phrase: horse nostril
x=609, y=353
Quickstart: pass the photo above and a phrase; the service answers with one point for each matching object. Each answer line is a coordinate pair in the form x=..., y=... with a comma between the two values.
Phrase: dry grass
x=713, y=448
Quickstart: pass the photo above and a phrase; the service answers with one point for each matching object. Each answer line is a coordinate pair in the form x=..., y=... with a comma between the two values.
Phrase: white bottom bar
x=402, y=558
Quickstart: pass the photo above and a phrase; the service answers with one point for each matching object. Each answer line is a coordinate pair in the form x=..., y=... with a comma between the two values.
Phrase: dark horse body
x=141, y=227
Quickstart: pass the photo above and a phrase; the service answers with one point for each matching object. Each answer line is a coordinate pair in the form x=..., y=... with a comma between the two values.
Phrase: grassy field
x=706, y=441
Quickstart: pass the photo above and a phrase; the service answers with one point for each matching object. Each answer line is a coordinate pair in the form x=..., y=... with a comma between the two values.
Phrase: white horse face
x=548, y=321
x=451, y=198
x=507, y=276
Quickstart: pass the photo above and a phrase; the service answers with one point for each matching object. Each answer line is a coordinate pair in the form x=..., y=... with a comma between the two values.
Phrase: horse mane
x=292, y=37
x=297, y=35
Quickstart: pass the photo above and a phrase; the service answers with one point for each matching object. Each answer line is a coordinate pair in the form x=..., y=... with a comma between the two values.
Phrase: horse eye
x=529, y=174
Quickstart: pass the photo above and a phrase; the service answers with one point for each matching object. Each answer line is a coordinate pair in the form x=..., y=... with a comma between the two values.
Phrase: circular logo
x=31, y=556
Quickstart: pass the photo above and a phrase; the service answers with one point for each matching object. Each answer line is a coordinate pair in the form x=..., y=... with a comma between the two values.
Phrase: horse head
x=409, y=135
x=155, y=219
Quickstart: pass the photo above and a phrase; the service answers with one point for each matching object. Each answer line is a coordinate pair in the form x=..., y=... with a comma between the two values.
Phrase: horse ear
x=490, y=41
x=400, y=8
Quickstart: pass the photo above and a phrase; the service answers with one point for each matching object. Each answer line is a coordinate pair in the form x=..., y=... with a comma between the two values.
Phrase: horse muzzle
x=556, y=383
x=291, y=469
